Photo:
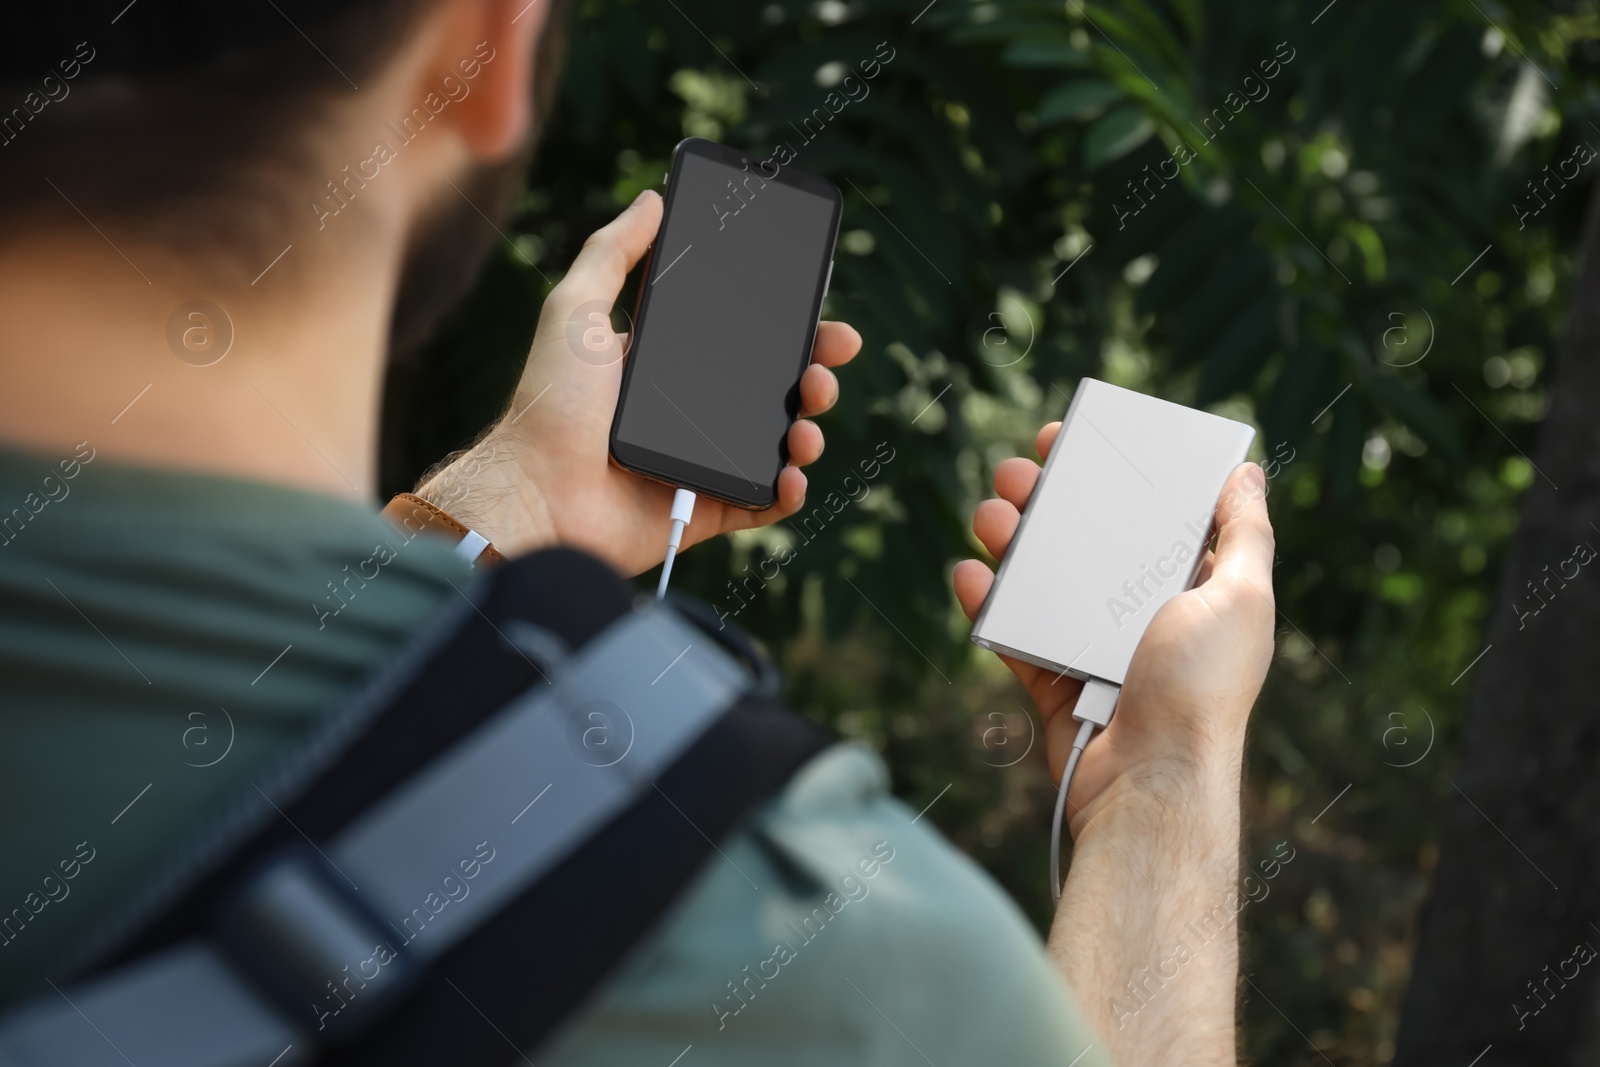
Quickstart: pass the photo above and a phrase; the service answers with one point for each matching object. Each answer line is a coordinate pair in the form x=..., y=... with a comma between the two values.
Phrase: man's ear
x=482, y=71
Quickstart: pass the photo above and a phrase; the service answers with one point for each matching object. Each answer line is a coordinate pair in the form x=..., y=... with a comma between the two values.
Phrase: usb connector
x=1096, y=704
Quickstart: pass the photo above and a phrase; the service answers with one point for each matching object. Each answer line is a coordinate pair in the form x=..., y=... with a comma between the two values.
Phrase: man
x=190, y=573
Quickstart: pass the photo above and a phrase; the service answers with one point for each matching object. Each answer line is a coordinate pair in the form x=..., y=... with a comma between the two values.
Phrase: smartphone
x=1117, y=525
x=726, y=317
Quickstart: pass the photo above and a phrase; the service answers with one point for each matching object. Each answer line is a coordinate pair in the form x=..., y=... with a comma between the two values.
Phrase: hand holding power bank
x=1116, y=526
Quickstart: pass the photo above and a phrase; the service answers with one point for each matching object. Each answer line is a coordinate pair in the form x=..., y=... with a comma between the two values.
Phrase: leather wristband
x=410, y=515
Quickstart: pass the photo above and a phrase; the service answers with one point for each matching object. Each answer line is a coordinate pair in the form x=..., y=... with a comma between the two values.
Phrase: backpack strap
x=424, y=874
x=543, y=957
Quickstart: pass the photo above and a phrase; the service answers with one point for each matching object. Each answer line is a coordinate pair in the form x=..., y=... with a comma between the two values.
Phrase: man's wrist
x=486, y=487
x=1202, y=789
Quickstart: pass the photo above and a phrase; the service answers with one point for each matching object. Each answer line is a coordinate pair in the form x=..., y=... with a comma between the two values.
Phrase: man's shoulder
x=837, y=925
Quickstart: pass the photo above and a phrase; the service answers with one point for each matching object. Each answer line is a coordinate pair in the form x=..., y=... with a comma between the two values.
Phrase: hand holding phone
x=542, y=474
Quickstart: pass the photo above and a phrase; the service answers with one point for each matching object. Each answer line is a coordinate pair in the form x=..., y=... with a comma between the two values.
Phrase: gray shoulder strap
x=424, y=867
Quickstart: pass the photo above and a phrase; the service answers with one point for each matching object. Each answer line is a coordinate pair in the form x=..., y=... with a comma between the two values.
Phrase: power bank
x=1116, y=526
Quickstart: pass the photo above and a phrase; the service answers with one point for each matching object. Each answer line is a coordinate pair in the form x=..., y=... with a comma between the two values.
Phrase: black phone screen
x=727, y=316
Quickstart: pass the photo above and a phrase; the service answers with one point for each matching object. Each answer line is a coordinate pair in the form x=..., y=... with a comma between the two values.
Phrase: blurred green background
x=1011, y=224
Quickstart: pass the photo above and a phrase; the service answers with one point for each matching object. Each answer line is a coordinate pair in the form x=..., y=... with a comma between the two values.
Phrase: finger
x=1046, y=438
x=1014, y=480
x=972, y=579
x=995, y=522
x=612, y=251
x=1244, y=533
x=791, y=496
x=805, y=443
x=725, y=518
x=837, y=344
x=1207, y=565
x=819, y=390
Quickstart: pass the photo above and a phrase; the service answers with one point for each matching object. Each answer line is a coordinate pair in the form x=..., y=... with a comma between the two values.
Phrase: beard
x=425, y=416
x=447, y=250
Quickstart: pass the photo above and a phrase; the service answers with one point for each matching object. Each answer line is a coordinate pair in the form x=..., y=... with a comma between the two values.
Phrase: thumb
x=612, y=251
x=1245, y=543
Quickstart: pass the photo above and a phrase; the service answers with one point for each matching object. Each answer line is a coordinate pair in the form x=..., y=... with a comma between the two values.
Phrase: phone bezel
x=660, y=466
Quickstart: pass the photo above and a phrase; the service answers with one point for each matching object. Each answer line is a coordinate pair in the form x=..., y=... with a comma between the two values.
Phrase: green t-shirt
x=165, y=637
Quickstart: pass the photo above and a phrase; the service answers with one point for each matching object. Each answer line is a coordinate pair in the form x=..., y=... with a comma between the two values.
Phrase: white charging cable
x=682, y=512
x=1096, y=704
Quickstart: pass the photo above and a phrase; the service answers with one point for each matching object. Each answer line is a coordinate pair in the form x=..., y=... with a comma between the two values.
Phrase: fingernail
x=1254, y=479
x=640, y=198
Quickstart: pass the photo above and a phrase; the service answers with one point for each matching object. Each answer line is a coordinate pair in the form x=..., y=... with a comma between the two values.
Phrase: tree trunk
x=1508, y=941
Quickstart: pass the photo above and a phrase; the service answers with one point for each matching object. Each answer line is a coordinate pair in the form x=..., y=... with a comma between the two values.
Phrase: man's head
x=221, y=133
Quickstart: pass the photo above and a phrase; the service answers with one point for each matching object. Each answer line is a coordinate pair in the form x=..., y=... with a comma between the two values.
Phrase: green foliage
x=1036, y=192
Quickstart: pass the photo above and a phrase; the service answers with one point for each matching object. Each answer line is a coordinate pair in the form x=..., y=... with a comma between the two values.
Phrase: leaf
x=1139, y=27
x=1346, y=437
x=1115, y=135
x=1242, y=350
x=1044, y=52
x=1077, y=101
x=1366, y=238
x=1238, y=274
x=1189, y=12
x=1304, y=386
x=1189, y=251
x=1420, y=412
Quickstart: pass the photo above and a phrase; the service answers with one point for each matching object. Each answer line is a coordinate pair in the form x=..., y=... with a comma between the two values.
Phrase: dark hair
x=190, y=118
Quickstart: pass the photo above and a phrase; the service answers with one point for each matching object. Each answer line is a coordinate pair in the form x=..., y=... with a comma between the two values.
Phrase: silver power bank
x=1116, y=526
